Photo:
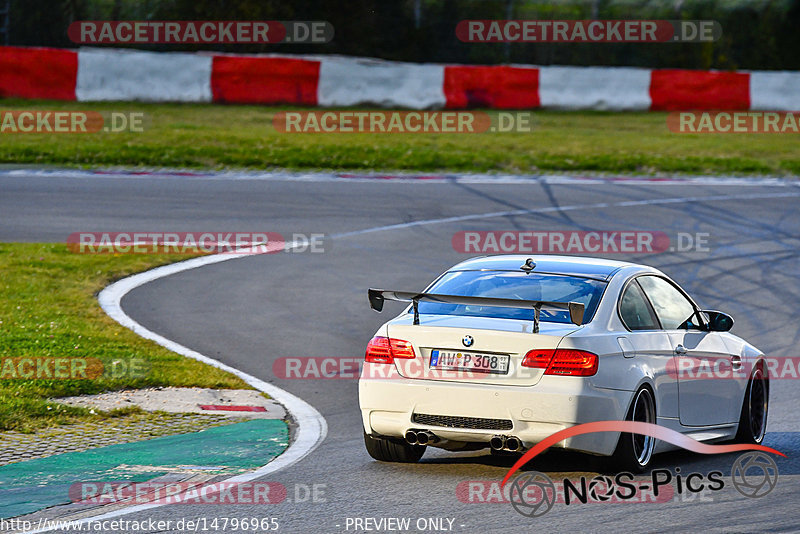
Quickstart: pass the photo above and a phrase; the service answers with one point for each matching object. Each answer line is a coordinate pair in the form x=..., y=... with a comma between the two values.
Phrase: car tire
x=755, y=407
x=634, y=451
x=386, y=450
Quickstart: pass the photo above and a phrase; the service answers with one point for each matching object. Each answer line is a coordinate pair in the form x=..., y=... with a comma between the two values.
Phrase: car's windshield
x=515, y=285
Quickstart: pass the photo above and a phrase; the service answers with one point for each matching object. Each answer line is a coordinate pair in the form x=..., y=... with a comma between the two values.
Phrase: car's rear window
x=515, y=285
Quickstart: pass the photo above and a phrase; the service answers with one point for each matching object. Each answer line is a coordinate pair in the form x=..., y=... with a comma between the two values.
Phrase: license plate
x=470, y=361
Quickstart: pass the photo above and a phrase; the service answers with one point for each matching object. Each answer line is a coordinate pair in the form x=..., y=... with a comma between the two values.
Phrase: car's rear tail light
x=538, y=358
x=385, y=350
x=573, y=362
x=378, y=350
x=565, y=362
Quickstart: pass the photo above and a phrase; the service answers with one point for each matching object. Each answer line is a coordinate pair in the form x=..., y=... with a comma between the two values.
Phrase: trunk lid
x=501, y=338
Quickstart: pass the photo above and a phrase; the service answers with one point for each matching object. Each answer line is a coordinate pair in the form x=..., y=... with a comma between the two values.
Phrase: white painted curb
x=311, y=425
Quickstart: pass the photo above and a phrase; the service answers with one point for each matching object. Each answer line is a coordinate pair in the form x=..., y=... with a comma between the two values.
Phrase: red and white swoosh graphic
x=632, y=427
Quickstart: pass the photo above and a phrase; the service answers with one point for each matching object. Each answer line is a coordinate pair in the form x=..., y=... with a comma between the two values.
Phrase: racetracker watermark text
x=402, y=122
x=727, y=368
x=90, y=32
x=196, y=242
x=350, y=368
x=734, y=122
x=588, y=31
x=578, y=242
x=71, y=368
x=596, y=490
x=70, y=122
x=153, y=492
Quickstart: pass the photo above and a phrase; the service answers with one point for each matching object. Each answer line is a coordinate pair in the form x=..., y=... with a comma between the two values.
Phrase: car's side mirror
x=718, y=321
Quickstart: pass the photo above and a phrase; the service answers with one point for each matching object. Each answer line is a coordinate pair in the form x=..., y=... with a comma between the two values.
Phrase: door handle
x=680, y=349
x=736, y=362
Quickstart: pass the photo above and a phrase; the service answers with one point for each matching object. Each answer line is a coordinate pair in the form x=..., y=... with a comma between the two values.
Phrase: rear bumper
x=534, y=412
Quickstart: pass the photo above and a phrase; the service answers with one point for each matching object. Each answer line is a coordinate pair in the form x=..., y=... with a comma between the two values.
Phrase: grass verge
x=216, y=136
x=49, y=310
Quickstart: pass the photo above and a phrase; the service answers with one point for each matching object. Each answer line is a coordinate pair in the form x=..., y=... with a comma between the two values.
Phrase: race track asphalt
x=250, y=312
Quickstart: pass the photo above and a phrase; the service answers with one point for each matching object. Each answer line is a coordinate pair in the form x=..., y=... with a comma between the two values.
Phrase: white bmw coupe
x=503, y=351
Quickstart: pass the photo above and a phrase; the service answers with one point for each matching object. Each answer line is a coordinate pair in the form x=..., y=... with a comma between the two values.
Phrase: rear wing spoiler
x=378, y=296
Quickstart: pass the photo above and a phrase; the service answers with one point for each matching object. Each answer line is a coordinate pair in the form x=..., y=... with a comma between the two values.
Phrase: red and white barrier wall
x=128, y=75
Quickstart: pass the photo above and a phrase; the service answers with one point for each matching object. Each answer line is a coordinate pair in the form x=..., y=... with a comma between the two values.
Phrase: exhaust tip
x=513, y=444
x=411, y=437
x=426, y=437
x=497, y=442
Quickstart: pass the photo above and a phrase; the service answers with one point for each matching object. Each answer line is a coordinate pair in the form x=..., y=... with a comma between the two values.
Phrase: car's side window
x=672, y=308
x=635, y=311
